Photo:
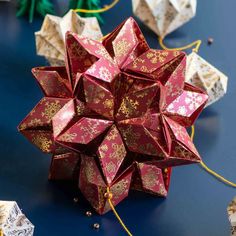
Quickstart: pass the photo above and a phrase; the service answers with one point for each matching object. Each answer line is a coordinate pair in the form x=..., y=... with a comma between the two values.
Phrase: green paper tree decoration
x=42, y=7
x=86, y=4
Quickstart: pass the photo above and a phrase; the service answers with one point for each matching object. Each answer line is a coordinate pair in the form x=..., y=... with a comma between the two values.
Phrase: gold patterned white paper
x=164, y=16
x=12, y=221
x=51, y=37
x=232, y=216
x=204, y=75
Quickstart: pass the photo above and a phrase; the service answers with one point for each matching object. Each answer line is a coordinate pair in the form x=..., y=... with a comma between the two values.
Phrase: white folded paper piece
x=202, y=74
x=164, y=16
x=50, y=39
x=232, y=216
x=12, y=221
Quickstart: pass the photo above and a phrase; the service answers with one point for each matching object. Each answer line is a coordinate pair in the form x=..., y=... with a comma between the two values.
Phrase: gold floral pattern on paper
x=150, y=179
x=51, y=108
x=103, y=53
x=119, y=188
x=104, y=147
x=128, y=107
x=89, y=171
x=180, y=151
x=113, y=134
x=90, y=130
x=77, y=51
x=105, y=74
x=108, y=103
x=68, y=137
x=35, y=122
x=119, y=151
x=155, y=56
x=80, y=109
x=42, y=142
x=136, y=62
x=121, y=48
x=110, y=167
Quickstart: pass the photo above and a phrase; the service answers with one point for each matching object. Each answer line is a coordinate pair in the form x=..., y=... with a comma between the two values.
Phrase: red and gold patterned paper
x=119, y=112
x=150, y=178
x=93, y=186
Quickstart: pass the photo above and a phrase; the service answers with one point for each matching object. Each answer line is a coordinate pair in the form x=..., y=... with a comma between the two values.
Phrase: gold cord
x=206, y=168
x=109, y=196
x=196, y=43
x=106, y=8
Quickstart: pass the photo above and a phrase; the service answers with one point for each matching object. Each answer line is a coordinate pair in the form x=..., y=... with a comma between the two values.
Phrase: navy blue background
x=196, y=204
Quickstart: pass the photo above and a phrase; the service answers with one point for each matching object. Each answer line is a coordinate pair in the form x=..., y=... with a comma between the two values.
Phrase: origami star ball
x=116, y=115
x=232, y=216
x=12, y=221
x=50, y=39
x=203, y=75
x=164, y=16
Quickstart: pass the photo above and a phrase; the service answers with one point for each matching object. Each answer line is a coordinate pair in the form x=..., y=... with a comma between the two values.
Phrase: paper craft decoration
x=51, y=38
x=12, y=221
x=232, y=216
x=164, y=16
x=31, y=7
x=118, y=111
x=203, y=75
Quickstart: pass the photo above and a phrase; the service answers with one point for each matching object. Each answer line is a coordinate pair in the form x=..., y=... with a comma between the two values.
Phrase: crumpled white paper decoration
x=164, y=16
x=232, y=216
x=50, y=39
x=12, y=221
x=202, y=74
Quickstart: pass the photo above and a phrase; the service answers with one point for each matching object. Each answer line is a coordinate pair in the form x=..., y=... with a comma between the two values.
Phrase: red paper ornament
x=120, y=107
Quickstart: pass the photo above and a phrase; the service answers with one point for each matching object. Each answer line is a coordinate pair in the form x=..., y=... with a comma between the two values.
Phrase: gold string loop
x=206, y=168
x=196, y=43
x=104, y=9
x=109, y=196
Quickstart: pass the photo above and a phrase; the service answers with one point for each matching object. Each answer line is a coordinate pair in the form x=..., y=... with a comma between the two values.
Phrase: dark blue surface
x=196, y=204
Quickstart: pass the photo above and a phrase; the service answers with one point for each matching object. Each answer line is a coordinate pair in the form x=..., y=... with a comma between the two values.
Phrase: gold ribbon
x=210, y=171
x=106, y=8
x=109, y=196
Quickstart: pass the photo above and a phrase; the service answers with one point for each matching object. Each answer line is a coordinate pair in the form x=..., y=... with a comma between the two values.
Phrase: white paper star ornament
x=204, y=75
x=50, y=39
x=164, y=16
x=12, y=221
